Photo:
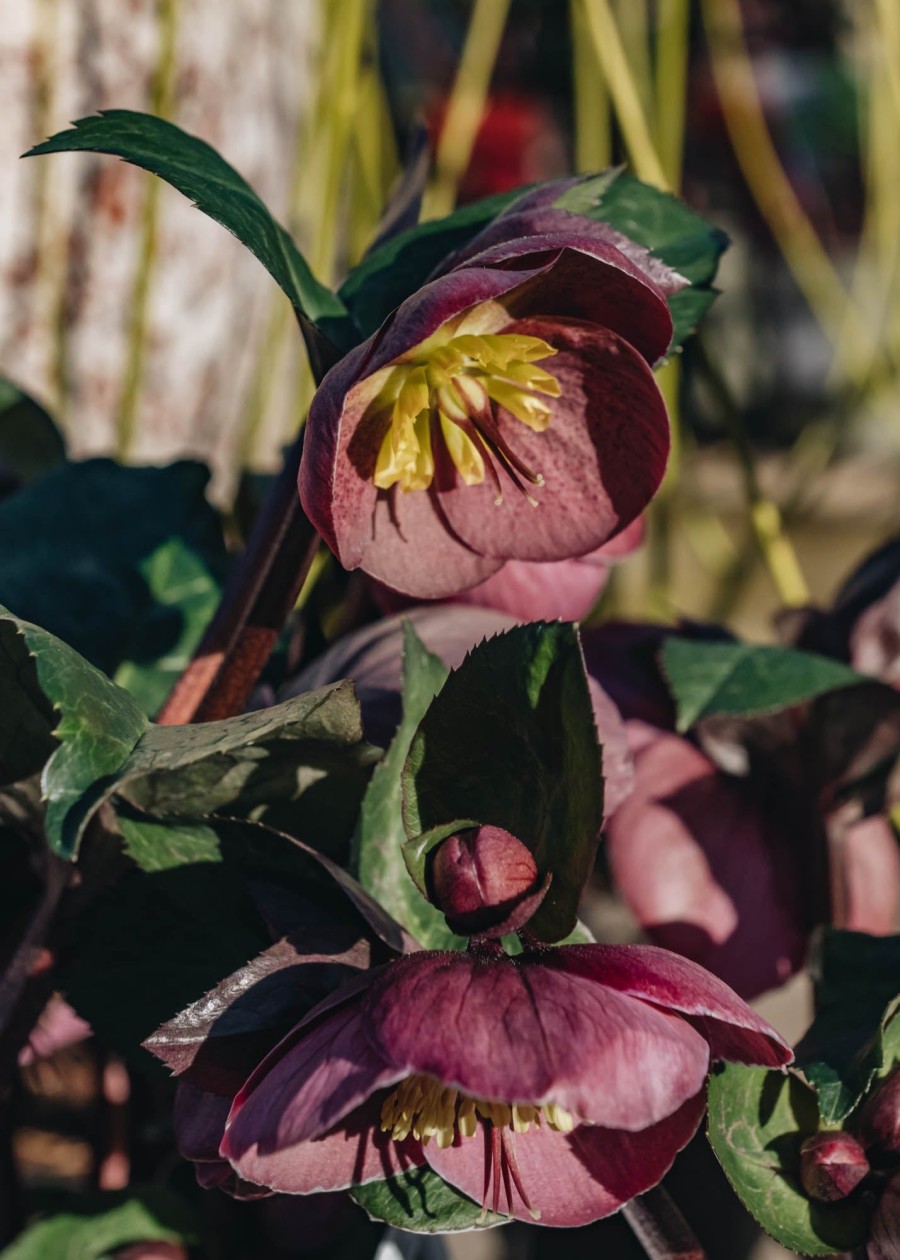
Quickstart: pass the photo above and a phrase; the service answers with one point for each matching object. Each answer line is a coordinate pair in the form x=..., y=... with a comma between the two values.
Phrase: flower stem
x=465, y=108
x=660, y=1228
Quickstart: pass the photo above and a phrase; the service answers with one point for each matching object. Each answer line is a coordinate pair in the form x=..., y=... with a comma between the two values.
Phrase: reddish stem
x=660, y=1228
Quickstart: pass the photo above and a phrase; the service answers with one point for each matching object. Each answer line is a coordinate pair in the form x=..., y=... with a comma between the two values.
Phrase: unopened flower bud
x=885, y=1242
x=880, y=1124
x=831, y=1166
x=485, y=881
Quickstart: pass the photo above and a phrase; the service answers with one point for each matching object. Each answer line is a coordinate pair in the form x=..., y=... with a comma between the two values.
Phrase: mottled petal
x=516, y=1030
x=733, y=1030
x=352, y=1153
x=574, y=1178
x=311, y=1080
x=602, y=458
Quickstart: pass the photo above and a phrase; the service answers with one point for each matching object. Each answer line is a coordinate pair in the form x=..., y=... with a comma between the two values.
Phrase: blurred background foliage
x=148, y=335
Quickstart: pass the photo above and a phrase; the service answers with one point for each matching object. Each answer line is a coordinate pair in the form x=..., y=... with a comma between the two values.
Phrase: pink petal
x=573, y=1179
x=703, y=871
x=318, y=1074
x=871, y=864
x=352, y=1153
x=516, y=1030
x=733, y=1030
x=602, y=458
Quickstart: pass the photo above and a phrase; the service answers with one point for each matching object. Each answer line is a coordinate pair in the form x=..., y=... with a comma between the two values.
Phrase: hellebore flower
x=552, y=1086
x=832, y=1164
x=505, y=411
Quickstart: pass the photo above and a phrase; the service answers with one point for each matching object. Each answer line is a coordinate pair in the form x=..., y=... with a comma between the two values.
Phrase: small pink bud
x=885, y=1242
x=880, y=1124
x=832, y=1165
x=485, y=880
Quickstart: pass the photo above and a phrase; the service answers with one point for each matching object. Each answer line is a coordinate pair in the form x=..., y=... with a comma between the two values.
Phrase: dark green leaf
x=420, y=1201
x=380, y=834
x=394, y=270
x=98, y=725
x=30, y=443
x=744, y=678
x=510, y=740
x=664, y=225
x=851, y=1040
x=98, y=1226
x=185, y=593
x=75, y=543
x=196, y=169
x=757, y=1122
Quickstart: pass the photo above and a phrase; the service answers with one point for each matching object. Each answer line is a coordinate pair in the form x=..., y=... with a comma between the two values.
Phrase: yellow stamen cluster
x=443, y=388
x=428, y=1109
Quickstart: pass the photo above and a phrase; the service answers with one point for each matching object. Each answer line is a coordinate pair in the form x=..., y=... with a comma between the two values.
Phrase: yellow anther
x=446, y=386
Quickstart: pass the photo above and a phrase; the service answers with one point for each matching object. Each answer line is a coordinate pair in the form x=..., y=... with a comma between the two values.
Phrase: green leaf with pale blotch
x=185, y=593
x=419, y=1200
x=30, y=443
x=380, y=836
x=510, y=741
x=200, y=173
x=663, y=224
x=100, y=1225
x=394, y=270
x=739, y=679
x=757, y=1122
x=95, y=727
x=246, y=763
x=853, y=1037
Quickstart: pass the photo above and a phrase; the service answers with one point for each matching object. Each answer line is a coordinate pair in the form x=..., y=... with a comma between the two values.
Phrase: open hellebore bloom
x=550, y=1086
x=505, y=411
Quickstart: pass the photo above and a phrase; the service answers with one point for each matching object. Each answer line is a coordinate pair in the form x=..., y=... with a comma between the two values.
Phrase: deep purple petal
x=572, y=1179
x=602, y=457
x=352, y=1153
x=733, y=1030
x=705, y=872
x=517, y=1030
x=317, y=1075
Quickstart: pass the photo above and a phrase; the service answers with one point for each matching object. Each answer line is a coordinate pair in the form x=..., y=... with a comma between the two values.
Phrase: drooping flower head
x=505, y=411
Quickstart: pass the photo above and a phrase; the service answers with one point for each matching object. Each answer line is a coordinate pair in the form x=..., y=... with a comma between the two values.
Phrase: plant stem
x=593, y=124
x=660, y=1228
x=465, y=109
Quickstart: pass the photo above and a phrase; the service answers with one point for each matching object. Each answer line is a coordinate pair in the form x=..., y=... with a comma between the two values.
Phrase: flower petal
x=574, y=1178
x=309, y=1082
x=352, y=1153
x=602, y=458
x=516, y=1030
x=733, y=1030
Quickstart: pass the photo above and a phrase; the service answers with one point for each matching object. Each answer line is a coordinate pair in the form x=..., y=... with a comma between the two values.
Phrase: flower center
x=446, y=392
x=429, y=1109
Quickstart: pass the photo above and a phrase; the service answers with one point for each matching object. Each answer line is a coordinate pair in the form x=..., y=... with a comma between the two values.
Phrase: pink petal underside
x=733, y=1030
x=573, y=1179
x=602, y=457
x=314, y=1077
x=617, y=764
x=352, y=1153
x=871, y=864
x=518, y=1031
x=688, y=850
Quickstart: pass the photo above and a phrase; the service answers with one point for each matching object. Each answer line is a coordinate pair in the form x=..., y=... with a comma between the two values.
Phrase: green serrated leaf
x=185, y=593
x=96, y=727
x=30, y=443
x=200, y=173
x=664, y=225
x=390, y=273
x=100, y=1225
x=380, y=836
x=757, y=1122
x=854, y=1034
x=510, y=741
x=744, y=678
x=420, y=1201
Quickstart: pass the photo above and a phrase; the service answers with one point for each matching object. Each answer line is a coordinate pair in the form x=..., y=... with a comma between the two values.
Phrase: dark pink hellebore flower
x=554, y=1086
x=506, y=411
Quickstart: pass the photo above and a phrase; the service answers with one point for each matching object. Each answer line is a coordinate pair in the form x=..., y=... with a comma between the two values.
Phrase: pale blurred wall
x=72, y=225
